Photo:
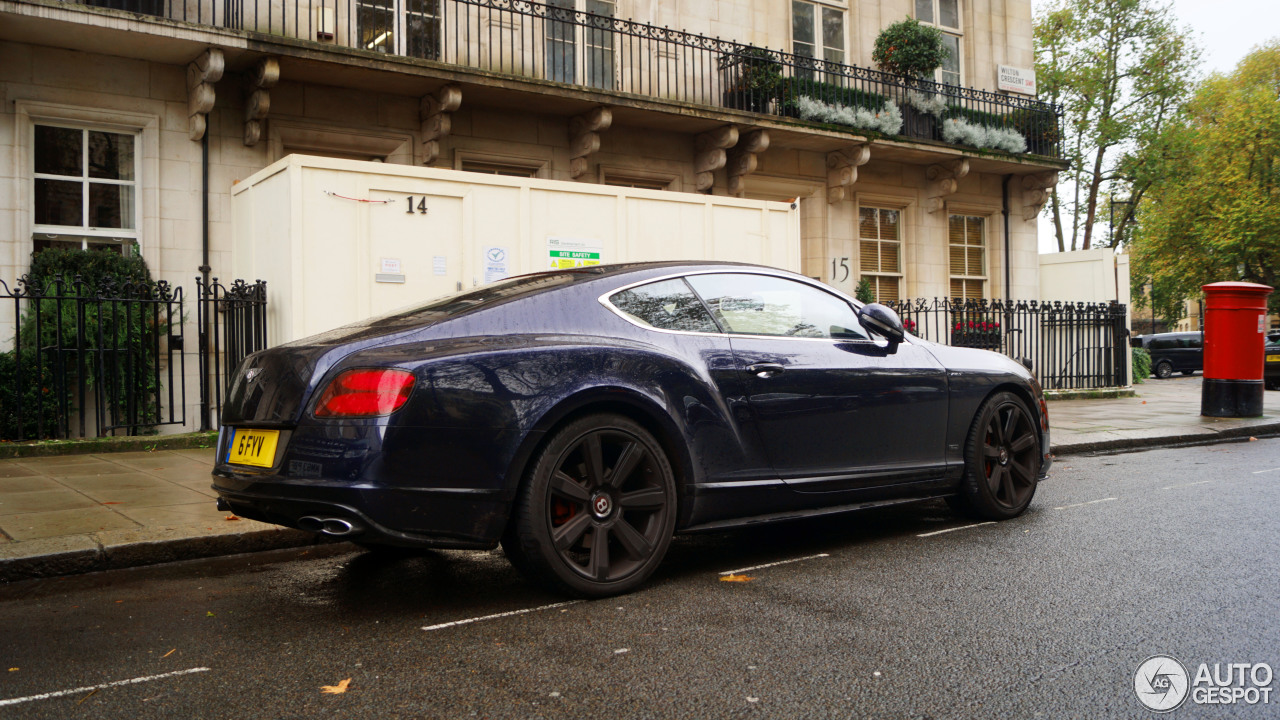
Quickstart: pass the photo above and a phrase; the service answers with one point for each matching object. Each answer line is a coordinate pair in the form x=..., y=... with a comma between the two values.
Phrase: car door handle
x=764, y=371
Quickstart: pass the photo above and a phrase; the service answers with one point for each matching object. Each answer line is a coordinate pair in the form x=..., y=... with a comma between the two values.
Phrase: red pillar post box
x=1234, y=335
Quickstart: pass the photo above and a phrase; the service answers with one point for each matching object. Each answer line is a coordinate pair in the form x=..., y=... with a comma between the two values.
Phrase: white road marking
x=468, y=621
x=1091, y=502
x=962, y=527
x=118, y=683
x=775, y=564
x=1171, y=487
x=1259, y=472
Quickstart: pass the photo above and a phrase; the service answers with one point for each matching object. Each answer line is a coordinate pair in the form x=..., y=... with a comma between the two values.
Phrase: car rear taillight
x=365, y=393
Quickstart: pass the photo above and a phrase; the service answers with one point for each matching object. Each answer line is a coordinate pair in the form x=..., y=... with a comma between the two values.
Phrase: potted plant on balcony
x=913, y=51
x=752, y=79
x=910, y=49
x=982, y=334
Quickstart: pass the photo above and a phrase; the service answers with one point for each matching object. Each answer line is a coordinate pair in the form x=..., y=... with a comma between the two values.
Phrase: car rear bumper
x=418, y=517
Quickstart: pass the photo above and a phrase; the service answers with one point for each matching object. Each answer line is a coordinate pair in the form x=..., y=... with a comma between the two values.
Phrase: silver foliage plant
x=888, y=119
x=929, y=103
x=960, y=131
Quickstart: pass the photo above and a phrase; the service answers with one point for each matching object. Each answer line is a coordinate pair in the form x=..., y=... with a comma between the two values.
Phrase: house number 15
x=835, y=270
x=422, y=206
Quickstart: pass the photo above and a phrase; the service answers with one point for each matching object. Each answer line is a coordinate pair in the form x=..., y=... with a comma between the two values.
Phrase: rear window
x=667, y=305
x=446, y=306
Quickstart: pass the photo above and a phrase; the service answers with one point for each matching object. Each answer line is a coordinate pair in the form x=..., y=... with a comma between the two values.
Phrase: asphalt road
x=881, y=614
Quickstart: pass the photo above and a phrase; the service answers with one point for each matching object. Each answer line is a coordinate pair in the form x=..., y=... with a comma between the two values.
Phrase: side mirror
x=883, y=321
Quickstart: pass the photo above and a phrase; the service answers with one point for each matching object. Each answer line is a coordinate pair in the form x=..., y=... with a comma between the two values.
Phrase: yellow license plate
x=1273, y=358
x=253, y=447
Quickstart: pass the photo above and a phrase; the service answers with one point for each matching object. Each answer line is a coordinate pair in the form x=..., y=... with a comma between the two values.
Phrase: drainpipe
x=1008, y=261
x=204, y=275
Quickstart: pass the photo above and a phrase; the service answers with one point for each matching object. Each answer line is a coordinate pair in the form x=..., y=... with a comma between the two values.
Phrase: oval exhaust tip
x=338, y=527
x=311, y=523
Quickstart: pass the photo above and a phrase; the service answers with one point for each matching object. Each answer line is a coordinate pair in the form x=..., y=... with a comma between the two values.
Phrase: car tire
x=1002, y=460
x=1164, y=369
x=596, y=510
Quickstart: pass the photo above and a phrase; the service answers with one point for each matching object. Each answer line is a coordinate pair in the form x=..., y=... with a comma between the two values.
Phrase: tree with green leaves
x=1120, y=69
x=1213, y=210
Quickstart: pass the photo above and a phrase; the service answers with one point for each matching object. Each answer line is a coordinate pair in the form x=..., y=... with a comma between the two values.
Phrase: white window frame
x=901, y=275
x=399, y=29
x=537, y=167
x=955, y=32
x=819, y=47
x=146, y=129
x=635, y=178
x=580, y=52
x=988, y=221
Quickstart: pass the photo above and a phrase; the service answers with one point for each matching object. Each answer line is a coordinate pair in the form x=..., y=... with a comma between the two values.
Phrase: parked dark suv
x=1173, y=352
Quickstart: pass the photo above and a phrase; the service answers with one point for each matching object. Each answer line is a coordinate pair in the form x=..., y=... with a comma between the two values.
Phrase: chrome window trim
x=604, y=300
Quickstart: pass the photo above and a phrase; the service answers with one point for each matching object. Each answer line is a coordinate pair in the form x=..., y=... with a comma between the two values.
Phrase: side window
x=668, y=305
x=761, y=305
x=1195, y=341
x=1163, y=344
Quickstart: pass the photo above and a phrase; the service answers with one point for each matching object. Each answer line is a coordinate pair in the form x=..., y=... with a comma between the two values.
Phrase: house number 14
x=421, y=208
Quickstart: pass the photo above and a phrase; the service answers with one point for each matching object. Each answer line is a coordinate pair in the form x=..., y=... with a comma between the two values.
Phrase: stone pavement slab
x=79, y=513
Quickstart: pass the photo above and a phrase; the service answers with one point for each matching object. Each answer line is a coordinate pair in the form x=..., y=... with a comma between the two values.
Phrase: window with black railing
x=582, y=43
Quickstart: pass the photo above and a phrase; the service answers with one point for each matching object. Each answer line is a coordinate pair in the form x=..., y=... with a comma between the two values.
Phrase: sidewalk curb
x=92, y=556
x=1268, y=429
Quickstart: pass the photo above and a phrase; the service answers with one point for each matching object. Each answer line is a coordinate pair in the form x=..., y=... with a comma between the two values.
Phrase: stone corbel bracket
x=202, y=73
x=435, y=112
x=584, y=137
x=742, y=158
x=944, y=179
x=265, y=76
x=842, y=170
x=711, y=154
x=1036, y=193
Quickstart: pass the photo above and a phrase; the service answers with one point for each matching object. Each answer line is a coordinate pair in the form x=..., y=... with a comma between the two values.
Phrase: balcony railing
x=535, y=40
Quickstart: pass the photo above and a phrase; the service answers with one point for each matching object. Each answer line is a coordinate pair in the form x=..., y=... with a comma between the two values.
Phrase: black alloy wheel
x=1164, y=370
x=596, y=512
x=1002, y=459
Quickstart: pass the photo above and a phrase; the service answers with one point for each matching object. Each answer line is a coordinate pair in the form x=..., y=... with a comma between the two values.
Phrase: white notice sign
x=1018, y=80
x=391, y=266
x=439, y=265
x=497, y=263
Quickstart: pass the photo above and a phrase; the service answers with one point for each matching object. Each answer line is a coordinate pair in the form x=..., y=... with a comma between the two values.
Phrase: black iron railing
x=535, y=40
x=233, y=323
x=1070, y=345
x=90, y=361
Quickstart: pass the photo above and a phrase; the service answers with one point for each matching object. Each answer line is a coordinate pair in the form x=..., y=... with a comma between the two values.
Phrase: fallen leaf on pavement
x=736, y=578
x=113, y=502
x=335, y=689
x=169, y=653
x=13, y=669
x=209, y=613
x=231, y=517
x=1253, y=439
x=86, y=697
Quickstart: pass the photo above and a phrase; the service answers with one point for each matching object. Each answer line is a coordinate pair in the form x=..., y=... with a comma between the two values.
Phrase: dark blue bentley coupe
x=581, y=417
